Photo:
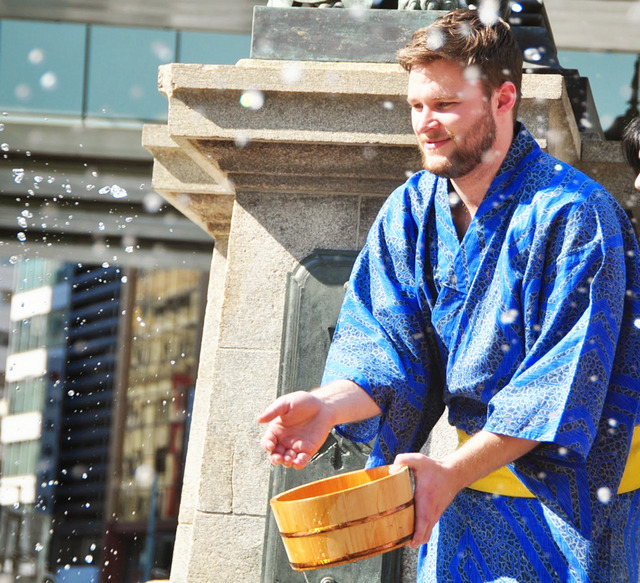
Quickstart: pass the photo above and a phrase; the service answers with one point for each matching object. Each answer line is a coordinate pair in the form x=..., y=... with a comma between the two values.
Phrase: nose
x=424, y=120
x=637, y=184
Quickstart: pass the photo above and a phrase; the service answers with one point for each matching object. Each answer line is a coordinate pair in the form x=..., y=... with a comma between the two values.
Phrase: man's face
x=451, y=117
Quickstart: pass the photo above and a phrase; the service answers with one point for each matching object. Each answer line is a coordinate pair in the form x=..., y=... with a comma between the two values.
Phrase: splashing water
x=36, y=56
x=604, y=495
x=49, y=81
x=252, y=99
x=509, y=317
x=489, y=12
x=18, y=175
x=435, y=41
x=114, y=190
x=291, y=73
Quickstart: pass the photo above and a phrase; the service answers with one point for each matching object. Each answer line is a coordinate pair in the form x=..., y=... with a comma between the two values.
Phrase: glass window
x=214, y=48
x=27, y=395
x=42, y=66
x=123, y=72
x=610, y=76
x=21, y=458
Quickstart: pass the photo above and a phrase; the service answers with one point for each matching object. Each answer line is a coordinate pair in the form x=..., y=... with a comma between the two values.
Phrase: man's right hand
x=299, y=423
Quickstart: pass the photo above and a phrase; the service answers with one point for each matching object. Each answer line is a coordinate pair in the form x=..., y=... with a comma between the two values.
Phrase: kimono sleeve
x=382, y=341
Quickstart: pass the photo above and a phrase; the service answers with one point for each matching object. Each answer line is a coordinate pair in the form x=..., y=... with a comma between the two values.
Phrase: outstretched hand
x=298, y=425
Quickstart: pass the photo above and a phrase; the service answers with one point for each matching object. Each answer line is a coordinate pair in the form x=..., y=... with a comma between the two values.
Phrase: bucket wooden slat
x=346, y=517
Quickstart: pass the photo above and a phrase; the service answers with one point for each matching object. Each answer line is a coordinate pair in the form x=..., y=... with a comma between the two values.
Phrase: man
x=631, y=147
x=504, y=284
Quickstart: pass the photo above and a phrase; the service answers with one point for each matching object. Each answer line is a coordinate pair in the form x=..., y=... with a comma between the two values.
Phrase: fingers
x=277, y=409
x=424, y=516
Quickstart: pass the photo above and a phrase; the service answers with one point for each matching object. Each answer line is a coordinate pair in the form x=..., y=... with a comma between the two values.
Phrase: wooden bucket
x=346, y=517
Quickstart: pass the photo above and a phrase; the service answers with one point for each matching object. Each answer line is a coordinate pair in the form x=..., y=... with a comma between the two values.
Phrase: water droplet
x=4, y=147
x=152, y=202
x=291, y=73
x=604, y=495
x=509, y=317
x=532, y=54
x=162, y=51
x=49, y=81
x=36, y=56
x=472, y=74
x=242, y=140
x=435, y=40
x=489, y=12
x=18, y=175
x=22, y=91
x=114, y=190
x=21, y=236
x=252, y=99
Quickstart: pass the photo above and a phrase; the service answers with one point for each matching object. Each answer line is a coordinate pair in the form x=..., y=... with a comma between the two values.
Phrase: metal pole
x=147, y=557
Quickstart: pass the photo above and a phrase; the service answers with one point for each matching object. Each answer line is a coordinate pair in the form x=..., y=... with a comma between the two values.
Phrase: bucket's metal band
x=354, y=556
x=505, y=483
x=331, y=527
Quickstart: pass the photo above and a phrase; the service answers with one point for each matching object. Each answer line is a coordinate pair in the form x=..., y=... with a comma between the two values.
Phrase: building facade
x=100, y=377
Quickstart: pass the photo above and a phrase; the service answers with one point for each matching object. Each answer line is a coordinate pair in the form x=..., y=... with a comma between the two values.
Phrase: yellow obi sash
x=505, y=483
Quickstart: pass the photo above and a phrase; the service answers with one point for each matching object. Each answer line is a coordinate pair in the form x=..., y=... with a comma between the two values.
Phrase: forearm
x=438, y=482
x=346, y=402
x=482, y=454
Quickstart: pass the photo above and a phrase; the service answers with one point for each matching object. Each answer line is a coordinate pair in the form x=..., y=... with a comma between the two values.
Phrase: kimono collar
x=523, y=145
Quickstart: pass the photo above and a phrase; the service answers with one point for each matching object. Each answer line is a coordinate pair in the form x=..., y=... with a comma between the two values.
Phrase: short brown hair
x=461, y=36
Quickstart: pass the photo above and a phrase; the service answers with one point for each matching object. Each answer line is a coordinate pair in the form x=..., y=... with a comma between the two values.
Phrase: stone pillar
x=276, y=159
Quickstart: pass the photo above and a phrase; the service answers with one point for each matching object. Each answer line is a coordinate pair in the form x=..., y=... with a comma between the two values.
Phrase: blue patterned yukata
x=528, y=327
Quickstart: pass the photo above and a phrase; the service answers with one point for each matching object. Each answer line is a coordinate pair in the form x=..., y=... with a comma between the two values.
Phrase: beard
x=470, y=149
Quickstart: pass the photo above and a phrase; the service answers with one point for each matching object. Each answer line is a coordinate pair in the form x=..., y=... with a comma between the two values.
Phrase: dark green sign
x=315, y=294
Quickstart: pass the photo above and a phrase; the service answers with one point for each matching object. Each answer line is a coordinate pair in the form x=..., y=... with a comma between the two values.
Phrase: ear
x=506, y=96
